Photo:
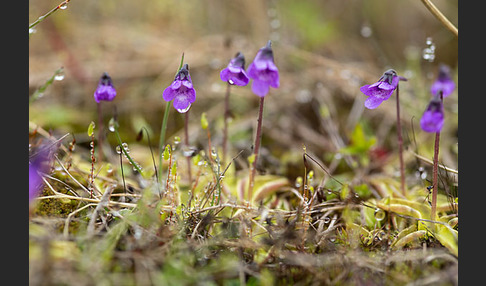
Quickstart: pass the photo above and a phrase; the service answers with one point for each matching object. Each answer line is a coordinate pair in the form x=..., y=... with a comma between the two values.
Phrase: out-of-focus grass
x=325, y=51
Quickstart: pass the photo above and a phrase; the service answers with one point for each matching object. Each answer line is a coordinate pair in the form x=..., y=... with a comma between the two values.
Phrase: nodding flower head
x=443, y=82
x=381, y=90
x=235, y=72
x=105, y=90
x=181, y=91
x=433, y=118
x=263, y=71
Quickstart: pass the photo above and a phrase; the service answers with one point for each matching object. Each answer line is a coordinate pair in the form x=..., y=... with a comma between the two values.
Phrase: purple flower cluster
x=105, y=90
x=380, y=90
x=262, y=70
x=181, y=91
x=433, y=118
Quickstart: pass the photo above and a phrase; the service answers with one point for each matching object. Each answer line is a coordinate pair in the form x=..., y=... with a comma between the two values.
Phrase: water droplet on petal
x=184, y=110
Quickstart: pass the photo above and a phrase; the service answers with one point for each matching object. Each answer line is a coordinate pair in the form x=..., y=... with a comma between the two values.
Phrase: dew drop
x=428, y=53
x=231, y=81
x=327, y=219
x=59, y=76
x=185, y=109
x=214, y=155
x=366, y=31
x=118, y=149
x=187, y=151
x=379, y=215
x=63, y=6
x=177, y=140
x=125, y=146
x=32, y=31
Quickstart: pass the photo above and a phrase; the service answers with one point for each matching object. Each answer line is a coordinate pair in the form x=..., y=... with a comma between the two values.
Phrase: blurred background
x=325, y=50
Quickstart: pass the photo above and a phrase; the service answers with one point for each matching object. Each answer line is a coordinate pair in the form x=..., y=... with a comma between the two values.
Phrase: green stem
x=186, y=142
x=42, y=89
x=120, y=143
x=164, y=127
x=42, y=18
x=162, y=136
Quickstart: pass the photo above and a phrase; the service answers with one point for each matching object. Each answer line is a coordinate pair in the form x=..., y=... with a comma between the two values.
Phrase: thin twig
x=42, y=18
x=443, y=19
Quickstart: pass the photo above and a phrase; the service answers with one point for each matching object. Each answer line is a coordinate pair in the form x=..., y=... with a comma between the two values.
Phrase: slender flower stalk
x=163, y=129
x=432, y=121
x=226, y=119
x=233, y=74
x=379, y=92
x=264, y=73
x=433, y=210
x=182, y=94
x=400, y=145
x=256, y=150
x=104, y=92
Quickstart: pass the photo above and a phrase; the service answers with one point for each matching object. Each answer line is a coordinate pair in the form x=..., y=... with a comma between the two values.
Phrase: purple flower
x=105, y=90
x=380, y=90
x=35, y=182
x=181, y=91
x=433, y=118
x=235, y=72
x=39, y=163
x=444, y=82
x=263, y=71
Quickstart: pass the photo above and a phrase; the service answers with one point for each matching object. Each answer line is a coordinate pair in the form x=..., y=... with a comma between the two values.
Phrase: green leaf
x=360, y=144
x=448, y=237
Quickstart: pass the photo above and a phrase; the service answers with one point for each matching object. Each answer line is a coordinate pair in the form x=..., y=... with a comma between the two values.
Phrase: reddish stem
x=225, y=129
x=256, y=151
x=400, y=145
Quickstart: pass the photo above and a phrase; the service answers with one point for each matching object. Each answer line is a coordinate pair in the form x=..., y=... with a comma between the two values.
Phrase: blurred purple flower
x=263, y=71
x=380, y=90
x=105, y=90
x=235, y=72
x=39, y=163
x=444, y=82
x=181, y=91
x=433, y=118
x=35, y=182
